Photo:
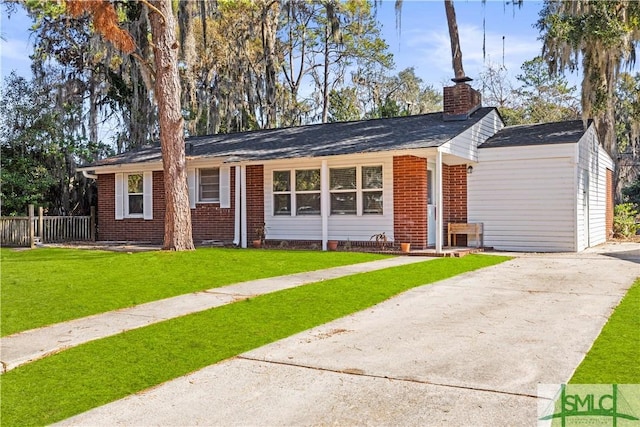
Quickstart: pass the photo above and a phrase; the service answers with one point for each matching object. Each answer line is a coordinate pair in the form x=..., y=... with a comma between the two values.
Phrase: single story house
x=536, y=188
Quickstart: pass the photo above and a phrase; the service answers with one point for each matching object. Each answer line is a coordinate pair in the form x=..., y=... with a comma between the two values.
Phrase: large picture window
x=135, y=195
x=209, y=185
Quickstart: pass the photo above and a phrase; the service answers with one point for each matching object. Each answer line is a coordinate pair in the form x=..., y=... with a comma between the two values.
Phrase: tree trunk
x=325, y=75
x=177, y=221
x=270, y=15
x=456, y=53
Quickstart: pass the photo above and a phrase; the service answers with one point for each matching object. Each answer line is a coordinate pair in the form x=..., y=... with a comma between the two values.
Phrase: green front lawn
x=614, y=357
x=45, y=286
x=102, y=371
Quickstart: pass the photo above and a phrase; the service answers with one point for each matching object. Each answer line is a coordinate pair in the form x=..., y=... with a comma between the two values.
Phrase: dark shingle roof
x=543, y=133
x=330, y=139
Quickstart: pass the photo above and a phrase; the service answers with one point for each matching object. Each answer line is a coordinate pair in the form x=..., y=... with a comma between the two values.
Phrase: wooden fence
x=27, y=230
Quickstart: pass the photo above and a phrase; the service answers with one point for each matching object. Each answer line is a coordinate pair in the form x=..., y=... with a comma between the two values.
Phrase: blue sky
x=423, y=41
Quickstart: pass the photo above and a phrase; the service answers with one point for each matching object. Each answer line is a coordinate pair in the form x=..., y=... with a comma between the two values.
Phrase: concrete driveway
x=465, y=351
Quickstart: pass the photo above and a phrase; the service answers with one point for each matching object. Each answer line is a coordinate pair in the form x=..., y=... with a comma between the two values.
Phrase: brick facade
x=410, y=200
x=609, y=205
x=209, y=221
x=129, y=229
x=255, y=200
x=454, y=198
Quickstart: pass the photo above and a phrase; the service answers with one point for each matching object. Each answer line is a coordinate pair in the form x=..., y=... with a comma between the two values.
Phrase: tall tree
x=545, y=97
x=601, y=37
x=40, y=147
x=177, y=231
x=456, y=51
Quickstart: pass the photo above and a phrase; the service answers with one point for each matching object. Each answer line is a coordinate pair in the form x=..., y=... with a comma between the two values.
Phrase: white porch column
x=325, y=202
x=243, y=207
x=238, y=205
x=439, y=204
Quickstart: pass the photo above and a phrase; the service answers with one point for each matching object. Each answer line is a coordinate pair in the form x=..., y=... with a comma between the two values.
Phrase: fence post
x=92, y=224
x=41, y=223
x=32, y=231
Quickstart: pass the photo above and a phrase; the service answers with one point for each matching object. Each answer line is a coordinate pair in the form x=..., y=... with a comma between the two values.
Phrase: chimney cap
x=462, y=79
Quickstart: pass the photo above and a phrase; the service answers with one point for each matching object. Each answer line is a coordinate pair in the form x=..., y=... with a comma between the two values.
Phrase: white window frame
x=290, y=192
x=127, y=212
x=359, y=190
x=362, y=190
x=295, y=192
x=199, y=191
x=345, y=191
x=122, y=195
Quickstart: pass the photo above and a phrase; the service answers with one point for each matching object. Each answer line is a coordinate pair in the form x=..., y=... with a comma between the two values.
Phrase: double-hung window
x=308, y=192
x=209, y=185
x=135, y=195
x=343, y=189
x=372, y=190
x=282, y=192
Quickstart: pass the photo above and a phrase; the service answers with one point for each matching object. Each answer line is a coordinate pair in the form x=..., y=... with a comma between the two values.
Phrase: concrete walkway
x=469, y=350
x=27, y=346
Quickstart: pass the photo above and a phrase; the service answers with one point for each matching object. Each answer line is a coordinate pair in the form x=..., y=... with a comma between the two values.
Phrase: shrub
x=624, y=220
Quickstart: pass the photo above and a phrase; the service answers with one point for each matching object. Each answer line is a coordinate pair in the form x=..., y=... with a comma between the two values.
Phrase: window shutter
x=148, y=195
x=225, y=190
x=191, y=181
x=119, y=195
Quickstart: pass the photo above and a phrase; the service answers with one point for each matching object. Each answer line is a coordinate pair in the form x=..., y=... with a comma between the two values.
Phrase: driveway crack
x=361, y=373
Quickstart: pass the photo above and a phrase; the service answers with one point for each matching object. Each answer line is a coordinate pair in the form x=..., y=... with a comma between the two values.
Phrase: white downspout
x=89, y=175
x=439, y=204
x=243, y=207
x=238, y=204
x=324, y=202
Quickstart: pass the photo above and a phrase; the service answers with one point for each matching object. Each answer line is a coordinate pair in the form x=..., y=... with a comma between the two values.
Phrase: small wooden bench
x=470, y=229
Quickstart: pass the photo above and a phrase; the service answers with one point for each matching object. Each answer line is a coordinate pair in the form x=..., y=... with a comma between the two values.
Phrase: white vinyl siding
x=591, y=178
x=465, y=145
x=340, y=227
x=525, y=196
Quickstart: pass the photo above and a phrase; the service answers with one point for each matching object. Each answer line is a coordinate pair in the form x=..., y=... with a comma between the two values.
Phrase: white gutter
x=324, y=202
x=236, y=222
x=243, y=207
x=439, y=216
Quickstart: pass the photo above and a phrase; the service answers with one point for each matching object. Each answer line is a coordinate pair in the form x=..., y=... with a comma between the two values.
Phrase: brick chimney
x=460, y=100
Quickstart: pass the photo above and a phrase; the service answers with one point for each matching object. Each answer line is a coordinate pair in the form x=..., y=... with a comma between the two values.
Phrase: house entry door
x=431, y=208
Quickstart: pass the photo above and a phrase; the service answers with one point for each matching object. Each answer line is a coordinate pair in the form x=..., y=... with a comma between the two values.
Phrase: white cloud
x=431, y=51
x=14, y=55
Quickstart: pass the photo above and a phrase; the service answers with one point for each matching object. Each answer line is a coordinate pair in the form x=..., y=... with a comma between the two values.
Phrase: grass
x=614, y=357
x=102, y=371
x=45, y=286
